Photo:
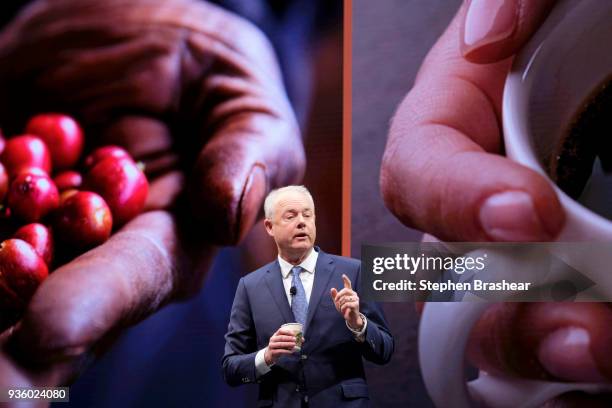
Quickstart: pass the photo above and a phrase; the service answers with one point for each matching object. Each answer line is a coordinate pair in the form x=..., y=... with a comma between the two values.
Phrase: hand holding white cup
x=297, y=329
x=287, y=339
x=548, y=83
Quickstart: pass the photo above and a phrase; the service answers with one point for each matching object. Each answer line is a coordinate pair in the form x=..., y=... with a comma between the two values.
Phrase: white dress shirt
x=307, y=277
x=306, y=274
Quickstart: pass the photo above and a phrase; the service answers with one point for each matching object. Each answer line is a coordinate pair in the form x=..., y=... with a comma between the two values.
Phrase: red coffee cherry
x=62, y=135
x=30, y=170
x=40, y=238
x=2, y=141
x=32, y=196
x=4, y=182
x=104, y=152
x=83, y=220
x=65, y=194
x=25, y=151
x=122, y=184
x=22, y=272
x=67, y=180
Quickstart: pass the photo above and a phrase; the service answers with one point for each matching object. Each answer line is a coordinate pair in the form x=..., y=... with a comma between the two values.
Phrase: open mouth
x=301, y=235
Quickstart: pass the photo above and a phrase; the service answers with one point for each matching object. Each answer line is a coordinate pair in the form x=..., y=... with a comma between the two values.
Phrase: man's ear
x=268, y=225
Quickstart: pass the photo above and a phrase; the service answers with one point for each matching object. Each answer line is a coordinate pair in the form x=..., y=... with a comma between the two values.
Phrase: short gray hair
x=272, y=197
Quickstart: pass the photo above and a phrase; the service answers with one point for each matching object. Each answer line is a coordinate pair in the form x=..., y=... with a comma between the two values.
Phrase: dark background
x=390, y=40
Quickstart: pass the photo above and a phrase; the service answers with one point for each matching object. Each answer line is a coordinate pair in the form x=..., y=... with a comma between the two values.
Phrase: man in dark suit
x=300, y=286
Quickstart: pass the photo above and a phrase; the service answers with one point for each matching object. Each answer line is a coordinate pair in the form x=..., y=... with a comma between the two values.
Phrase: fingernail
x=253, y=194
x=487, y=22
x=566, y=354
x=511, y=216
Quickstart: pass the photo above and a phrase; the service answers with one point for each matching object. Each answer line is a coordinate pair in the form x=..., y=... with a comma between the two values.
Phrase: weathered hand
x=195, y=93
x=347, y=303
x=187, y=87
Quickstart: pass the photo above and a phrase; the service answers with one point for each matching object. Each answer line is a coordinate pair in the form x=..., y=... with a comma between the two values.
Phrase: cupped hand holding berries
x=187, y=88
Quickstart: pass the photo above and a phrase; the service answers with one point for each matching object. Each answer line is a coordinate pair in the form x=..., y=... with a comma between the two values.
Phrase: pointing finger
x=347, y=282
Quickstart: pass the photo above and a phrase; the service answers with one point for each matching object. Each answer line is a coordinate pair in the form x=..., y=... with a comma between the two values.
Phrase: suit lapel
x=274, y=280
x=323, y=273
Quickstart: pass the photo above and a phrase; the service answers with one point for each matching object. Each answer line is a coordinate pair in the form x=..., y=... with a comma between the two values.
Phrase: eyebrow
x=293, y=210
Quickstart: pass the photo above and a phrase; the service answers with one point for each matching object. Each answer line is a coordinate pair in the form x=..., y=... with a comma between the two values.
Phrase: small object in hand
x=122, y=184
x=67, y=180
x=298, y=331
x=21, y=271
x=83, y=220
x=40, y=238
x=32, y=195
x=62, y=135
x=2, y=141
x=4, y=182
x=103, y=152
x=25, y=151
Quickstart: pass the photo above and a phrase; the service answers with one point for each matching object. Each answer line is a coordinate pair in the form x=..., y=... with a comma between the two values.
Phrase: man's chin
x=301, y=247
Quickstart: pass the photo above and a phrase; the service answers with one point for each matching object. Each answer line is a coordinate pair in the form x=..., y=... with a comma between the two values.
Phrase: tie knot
x=296, y=270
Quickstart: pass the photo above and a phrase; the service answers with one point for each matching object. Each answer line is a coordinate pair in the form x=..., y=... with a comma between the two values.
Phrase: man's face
x=293, y=224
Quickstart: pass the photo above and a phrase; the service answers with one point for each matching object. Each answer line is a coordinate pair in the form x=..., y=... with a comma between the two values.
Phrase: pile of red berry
x=49, y=207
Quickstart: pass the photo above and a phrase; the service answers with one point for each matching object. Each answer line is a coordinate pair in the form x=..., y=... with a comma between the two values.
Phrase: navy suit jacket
x=328, y=372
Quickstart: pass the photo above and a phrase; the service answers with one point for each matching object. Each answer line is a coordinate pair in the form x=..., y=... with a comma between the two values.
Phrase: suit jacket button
x=304, y=357
x=297, y=389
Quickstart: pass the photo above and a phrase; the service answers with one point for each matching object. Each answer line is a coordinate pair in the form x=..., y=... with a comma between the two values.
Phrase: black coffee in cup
x=586, y=149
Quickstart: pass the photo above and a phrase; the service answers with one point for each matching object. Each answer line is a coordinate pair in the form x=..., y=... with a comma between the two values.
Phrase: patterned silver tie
x=299, y=304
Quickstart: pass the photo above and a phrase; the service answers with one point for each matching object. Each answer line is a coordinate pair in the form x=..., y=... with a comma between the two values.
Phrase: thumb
x=235, y=170
x=334, y=293
x=496, y=29
x=255, y=146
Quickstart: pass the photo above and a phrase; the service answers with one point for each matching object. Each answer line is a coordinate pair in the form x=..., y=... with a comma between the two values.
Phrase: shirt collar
x=308, y=264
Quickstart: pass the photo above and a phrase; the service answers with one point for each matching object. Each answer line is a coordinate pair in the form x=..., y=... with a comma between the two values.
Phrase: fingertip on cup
x=512, y=216
x=566, y=354
x=487, y=24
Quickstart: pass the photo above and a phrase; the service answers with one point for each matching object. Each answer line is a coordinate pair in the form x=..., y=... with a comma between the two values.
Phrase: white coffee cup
x=298, y=331
x=551, y=77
